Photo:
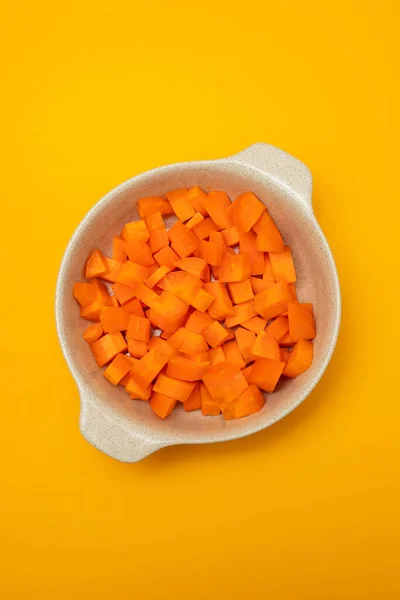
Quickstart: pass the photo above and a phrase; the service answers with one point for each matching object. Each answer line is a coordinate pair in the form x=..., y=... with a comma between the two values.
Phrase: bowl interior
x=316, y=283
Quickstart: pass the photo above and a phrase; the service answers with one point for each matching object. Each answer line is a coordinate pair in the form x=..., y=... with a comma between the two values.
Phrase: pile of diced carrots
x=204, y=313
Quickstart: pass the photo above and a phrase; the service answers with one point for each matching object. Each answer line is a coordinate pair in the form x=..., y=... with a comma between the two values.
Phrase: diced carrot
x=176, y=339
x=138, y=329
x=225, y=382
x=114, y=319
x=132, y=274
x=265, y=346
x=169, y=312
x=193, y=343
x=240, y=291
x=235, y=267
x=230, y=236
x=285, y=355
x=181, y=204
x=233, y=354
x=247, y=245
x=268, y=274
x=246, y=211
x=216, y=356
x=92, y=311
x=243, y=312
x=158, y=239
x=135, y=230
x=197, y=197
x=246, y=372
x=282, y=265
x=260, y=285
x=166, y=257
x=125, y=380
x=248, y=403
x=195, y=220
x=107, y=347
x=278, y=328
x=161, y=405
x=209, y=406
x=114, y=301
x=165, y=336
x=222, y=306
x=198, y=321
x=204, y=228
x=245, y=340
x=255, y=324
x=173, y=388
x=203, y=300
x=139, y=253
x=274, y=301
x=287, y=341
x=194, y=266
x=268, y=237
x=85, y=293
x=147, y=296
x=93, y=332
x=183, y=285
x=215, y=334
x=217, y=205
x=217, y=239
x=183, y=240
x=156, y=277
x=136, y=391
x=265, y=373
x=231, y=335
x=122, y=292
x=117, y=369
x=182, y=368
x=194, y=400
x=96, y=265
x=153, y=204
x=300, y=359
x=211, y=253
x=136, y=348
x=148, y=367
x=114, y=268
x=154, y=221
x=301, y=322
x=197, y=358
x=134, y=306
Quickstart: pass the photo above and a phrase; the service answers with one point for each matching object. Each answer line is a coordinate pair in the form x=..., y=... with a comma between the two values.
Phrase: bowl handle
x=108, y=434
x=285, y=170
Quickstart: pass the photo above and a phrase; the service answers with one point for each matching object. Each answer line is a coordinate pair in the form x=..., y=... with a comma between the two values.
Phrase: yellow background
x=94, y=92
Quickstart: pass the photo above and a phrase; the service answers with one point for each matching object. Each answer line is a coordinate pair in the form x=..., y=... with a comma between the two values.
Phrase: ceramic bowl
x=128, y=430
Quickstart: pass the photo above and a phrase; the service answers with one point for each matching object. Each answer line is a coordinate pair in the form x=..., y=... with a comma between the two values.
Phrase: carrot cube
x=174, y=388
x=203, y=300
x=255, y=324
x=269, y=238
x=245, y=340
x=96, y=265
x=265, y=346
x=230, y=236
x=198, y=321
x=216, y=356
x=225, y=382
x=139, y=253
x=300, y=359
x=136, y=391
x=222, y=306
x=136, y=230
x=194, y=400
x=183, y=285
x=134, y=306
x=282, y=265
x=204, y=228
x=85, y=293
x=235, y=268
x=215, y=334
x=242, y=312
x=194, y=266
x=136, y=348
x=138, y=329
x=161, y=405
x=117, y=369
x=246, y=211
x=107, y=347
x=167, y=257
x=233, y=354
x=274, y=301
x=195, y=220
x=278, y=328
x=158, y=274
x=118, y=249
x=240, y=291
x=114, y=319
x=131, y=274
x=197, y=197
x=209, y=406
x=153, y=204
x=158, y=239
x=301, y=322
x=181, y=204
x=217, y=205
x=154, y=221
x=265, y=373
x=247, y=245
x=251, y=401
x=93, y=332
x=150, y=365
x=183, y=368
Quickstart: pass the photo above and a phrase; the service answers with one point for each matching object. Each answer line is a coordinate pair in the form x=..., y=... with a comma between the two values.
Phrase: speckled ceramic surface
x=128, y=430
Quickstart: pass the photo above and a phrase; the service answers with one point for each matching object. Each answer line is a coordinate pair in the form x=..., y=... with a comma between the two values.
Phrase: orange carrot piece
x=85, y=293
x=215, y=334
x=197, y=197
x=255, y=324
x=282, y=265
x=158, y=239
x=114, y=301
x=93, y=332
x=260, y=285
x=246, y=211
x=301, y=322
x=204, y=228
x=181, y=204
x=166, y=257
x=96, y=265
x=139, y=253
x=122, y=292
x=195, y=220
x=211, y=253
x=107, y=347
x=274, y=301
x=118, y=249
x=134, y=306
x=240, y=291
x=114, y=319
x=203, y=300
x=174, y=388
x=230, y=236
x=245, y=341
x=300, y=359
x=268, y=274
x=225, y=382
x=268, y=237
x=248, y=403
x=266, y=346
x=243, y=312
x=183, y=240
x=150, y=365
x=217, y=239
x=169, y=312
x=136, y=348
x=278, y=328
x=176, y=339
x=247, y=245
x=147, y=296
x=183, y=368
x=156, y=277
x=286, y=341
x=92, y=311
x=194, y=266
x=135, y=230
x=246, y=372
x=265, y=373
x=125, y=380
x=222, y=306
x=233, y=354
x=138, y=329
x=113, y=270
x=154, y=221
x=285, y=355
x=217, y=205
x=235, y=267
x=216, y=356
x=193, y=343
x=209, y=407
x=198, y=321
x=183, y=285
x=136, y=391
x=161, y=405
x=153, y=204
x=194, y=400
x=117, y=369
x=132, y=274
x=197, y=358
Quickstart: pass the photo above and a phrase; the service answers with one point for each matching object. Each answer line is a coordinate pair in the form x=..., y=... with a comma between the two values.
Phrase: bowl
x=128, y=430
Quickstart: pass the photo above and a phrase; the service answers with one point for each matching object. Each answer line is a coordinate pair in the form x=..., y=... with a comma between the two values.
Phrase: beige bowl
x=128, y=430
